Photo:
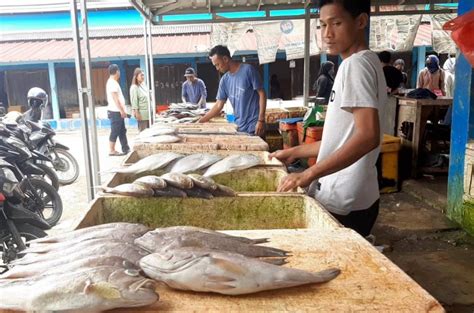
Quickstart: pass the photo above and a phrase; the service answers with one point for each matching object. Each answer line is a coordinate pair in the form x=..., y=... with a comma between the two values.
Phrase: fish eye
x=132, y=272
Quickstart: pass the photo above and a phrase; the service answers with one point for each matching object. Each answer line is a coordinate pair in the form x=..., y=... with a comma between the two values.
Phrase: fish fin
x=274, y=261
x=229, y=266
x=219, y=278
x=104, y=290
x=260, y=240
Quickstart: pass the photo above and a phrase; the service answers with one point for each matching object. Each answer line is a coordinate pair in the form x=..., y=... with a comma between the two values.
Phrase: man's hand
x=138, y=116
x=123, y=114
x=285, y=156
x=290, y=182
x=260, y=129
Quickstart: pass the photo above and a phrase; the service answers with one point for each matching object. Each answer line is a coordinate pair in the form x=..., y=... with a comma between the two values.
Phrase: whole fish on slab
x=157, y=131
x=87, y=248
x=169, y=239
x=170, y=191
x=161, y=139
x=203, y=182
x=151, y=181
x=52, y=266
x=225, y=273
x=194, y=162
x=98, y=231
x=84, y=290
x=150, y=163
x=223, y=191
x=132, y=190
x=178, y=180
x=232, y=163
x=197, y=192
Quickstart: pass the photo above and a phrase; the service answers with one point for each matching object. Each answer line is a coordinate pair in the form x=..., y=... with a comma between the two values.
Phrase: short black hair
x=354, y=7
x=220, y=50
x=113, y=69
x=385, y=56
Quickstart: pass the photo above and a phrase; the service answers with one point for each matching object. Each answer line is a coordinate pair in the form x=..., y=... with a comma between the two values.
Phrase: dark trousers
x=361, y=221
x=117, y=129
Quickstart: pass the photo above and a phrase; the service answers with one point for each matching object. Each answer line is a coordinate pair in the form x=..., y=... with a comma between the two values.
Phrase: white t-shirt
x=359, y=82
x=113, y=86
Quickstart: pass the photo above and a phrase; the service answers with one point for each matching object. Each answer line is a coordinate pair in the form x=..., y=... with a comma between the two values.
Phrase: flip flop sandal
x=116, y=154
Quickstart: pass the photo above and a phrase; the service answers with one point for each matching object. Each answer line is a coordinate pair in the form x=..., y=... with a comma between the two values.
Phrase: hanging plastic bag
x=462, y=28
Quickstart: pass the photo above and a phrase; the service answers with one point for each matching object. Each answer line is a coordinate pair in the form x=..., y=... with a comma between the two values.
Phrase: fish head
x=126, y=285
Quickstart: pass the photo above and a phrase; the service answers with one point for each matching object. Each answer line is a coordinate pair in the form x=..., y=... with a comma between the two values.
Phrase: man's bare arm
x=215, y=111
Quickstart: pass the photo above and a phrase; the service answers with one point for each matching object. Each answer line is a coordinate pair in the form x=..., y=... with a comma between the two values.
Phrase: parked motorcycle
x=40, y=197
x=17, y=224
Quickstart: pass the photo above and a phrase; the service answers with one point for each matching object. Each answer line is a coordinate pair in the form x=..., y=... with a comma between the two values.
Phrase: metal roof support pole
x=81, y=94
x=147, y=66
x=90, y=98
x=307, y=32
x=152, y=74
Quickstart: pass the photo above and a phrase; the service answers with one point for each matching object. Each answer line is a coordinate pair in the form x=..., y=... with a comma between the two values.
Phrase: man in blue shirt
x=242, y=85
x=194, y=89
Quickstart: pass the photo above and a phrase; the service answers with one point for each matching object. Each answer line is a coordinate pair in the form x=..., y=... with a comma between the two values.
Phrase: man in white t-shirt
x=116, y=112
x=344, y=178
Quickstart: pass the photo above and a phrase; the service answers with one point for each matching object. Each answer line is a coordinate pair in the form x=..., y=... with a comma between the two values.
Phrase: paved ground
x=411, y=226
x=74, y=196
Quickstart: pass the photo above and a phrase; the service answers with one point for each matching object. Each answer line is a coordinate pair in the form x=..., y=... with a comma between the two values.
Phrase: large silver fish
x=109, y=230
x=203, y=182
x=178, y=180
x=87, y=248
x=223, y=191
x=84, y=290
x=170, y=191
x=119, y=234
x=178, y=237
x=53, y=266
x=194, y=162
x=225, y=273
x=150, y=163
x=161, y=139
x=133, y=190
x=157, y=131
x=232, y=163
x=152, y=181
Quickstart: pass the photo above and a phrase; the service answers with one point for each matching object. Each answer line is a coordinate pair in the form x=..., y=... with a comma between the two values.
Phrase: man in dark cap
x=193, y=89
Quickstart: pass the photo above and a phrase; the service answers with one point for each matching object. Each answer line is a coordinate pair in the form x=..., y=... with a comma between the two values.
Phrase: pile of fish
x=158, y=135
x=95, y=268
x=172, y=185
x=191, y=163
x=181, y=113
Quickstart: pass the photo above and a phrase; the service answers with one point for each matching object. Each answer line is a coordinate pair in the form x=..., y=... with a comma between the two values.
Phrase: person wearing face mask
x=432, y=77
x=323, y=85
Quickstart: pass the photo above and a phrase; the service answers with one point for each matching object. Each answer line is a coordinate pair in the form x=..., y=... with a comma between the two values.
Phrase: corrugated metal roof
x=107, y=32
x=52, y=50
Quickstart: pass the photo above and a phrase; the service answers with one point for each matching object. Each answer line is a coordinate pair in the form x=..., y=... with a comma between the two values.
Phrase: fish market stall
x=245, y=211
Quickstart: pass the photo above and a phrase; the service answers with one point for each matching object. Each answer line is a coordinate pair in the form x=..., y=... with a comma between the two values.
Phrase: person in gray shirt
x=242, y=85
x=193, y=89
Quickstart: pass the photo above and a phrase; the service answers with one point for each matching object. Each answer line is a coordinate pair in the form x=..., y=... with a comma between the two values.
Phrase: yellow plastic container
x=387, y=164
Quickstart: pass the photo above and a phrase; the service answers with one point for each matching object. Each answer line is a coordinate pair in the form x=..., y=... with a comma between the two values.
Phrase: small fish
x=197, y=192
x=157, y=131
x=150, y=163
x=224, y=272
x=223, y=191
x=53, y=267
x=84, y=290
x=132, y=190
x=170, y=191
x=161, y=139
x=203, y=182
x=172, y=238
x=194, y=162
x=151, y=181
x=178, y=180
x=109, y=230
x=232, y=163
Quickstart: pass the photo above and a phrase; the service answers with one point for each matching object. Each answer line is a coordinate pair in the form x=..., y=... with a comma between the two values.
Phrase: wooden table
x=417, y=111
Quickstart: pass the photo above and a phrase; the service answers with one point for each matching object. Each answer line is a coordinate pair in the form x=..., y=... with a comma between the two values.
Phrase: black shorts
x=361, y=221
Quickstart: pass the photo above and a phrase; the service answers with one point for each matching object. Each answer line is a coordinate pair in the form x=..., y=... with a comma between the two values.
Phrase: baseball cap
x=189, y=71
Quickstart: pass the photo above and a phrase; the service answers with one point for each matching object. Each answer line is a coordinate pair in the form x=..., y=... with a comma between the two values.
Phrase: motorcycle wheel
x=27, y=232
x=49, y=206
x=49, y=176
x=66, y=166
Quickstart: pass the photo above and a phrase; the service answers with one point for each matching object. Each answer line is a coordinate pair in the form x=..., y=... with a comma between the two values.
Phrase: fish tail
x=261, y=251
x=325, y=275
